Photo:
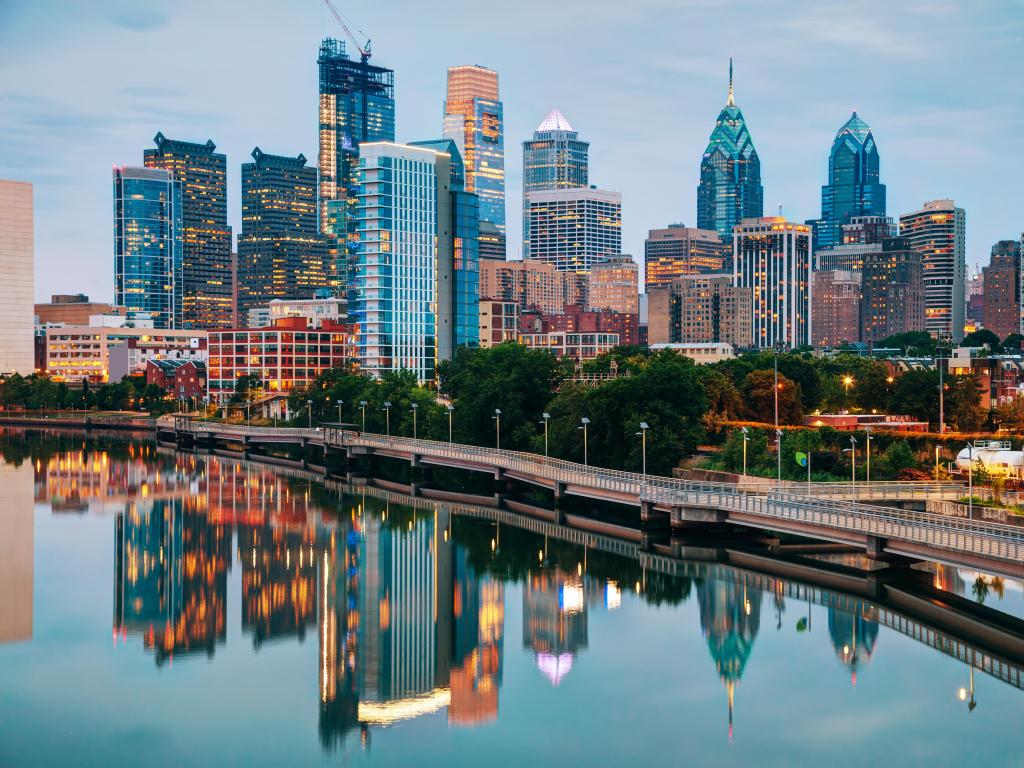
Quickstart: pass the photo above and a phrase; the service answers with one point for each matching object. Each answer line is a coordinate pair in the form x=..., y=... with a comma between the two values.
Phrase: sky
x=86, y=86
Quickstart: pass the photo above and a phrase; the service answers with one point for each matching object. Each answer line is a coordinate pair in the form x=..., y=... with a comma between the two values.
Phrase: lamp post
x=584, y=421
x=778, y=432
x=414, y=408
x=643, y=446
x=362, y=407
x=853, y=464
x=451, y=410
x=387, y=417
x=936, y=463
x=340, y=403
x=867, y=477
x=970, y=481
x=546, y=416
x=847, y=382
x=746, y=439
x=309, y=411
x=497, y=428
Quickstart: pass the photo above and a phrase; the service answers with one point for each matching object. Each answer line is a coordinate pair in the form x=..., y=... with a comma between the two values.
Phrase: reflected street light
x=546, y=416
x=414, y=408
x=387, y=416
x=362, y=407
x=585, y=421
x=643, y=446
x=497, y=428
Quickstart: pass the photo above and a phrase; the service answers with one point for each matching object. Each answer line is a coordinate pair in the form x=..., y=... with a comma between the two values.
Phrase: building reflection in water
x=17, y=525
x=730, y=617
x=853, y=634
x=555, y=618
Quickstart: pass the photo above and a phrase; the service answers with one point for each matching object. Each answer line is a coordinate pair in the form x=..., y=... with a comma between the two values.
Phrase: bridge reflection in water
x=406, y=596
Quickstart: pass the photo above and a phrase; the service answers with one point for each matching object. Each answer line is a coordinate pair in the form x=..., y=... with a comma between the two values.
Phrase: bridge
x=883, y=532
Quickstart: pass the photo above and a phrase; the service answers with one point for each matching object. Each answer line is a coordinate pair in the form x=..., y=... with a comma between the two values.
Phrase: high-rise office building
x=1001, y=313
x=555, y=158
x=679, y=250
x=772, y=257
x=613, y=284
x=280, y=253
x=205, y=234
x=938, y=231
x=147, y=243
x=700, y=309
x=417, y=225
x=892, y=291
x=473, y=119
x=835, y=307
x=17, y=265
x=573, y=228
x=356, y=105
x=853, y=187
x=730, y=173
x=492, y=242
x=861, y=235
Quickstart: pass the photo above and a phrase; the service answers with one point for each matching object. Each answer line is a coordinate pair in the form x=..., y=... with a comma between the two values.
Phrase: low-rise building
x=72, y=309
x=702, y=353
x=578, y=346
x=183, y=379
x=852, y=422
x=321, y=308
x=499, y=322
x=575, y=319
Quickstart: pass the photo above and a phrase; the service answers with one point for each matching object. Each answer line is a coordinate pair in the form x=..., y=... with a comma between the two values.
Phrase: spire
x=730, y=102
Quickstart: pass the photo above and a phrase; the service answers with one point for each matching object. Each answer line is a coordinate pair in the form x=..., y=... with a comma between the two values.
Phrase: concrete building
x=835, y=307
x=679, y=250
x=577, y=346
x=1002, y=298
x=699, y=309
x=577, y=320
x=704, y=353
x=316, y=310
x=73, y=309
x=499, y=322
x=574, y=228
x=17, y=265
x=938, y=231
x=772, y=257
x=613, y=284
x=892, y=291
x=531, y=284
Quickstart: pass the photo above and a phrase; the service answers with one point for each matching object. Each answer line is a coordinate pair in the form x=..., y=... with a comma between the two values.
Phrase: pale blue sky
x=84, y=86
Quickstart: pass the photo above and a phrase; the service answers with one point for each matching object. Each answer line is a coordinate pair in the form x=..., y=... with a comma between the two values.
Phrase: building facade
x=700, y=309
x=555, y=158
x=892, y=291
x=576, y=346
x=103, y=353
x=938, y=231
x=574, y=228
x=861, y=235
x=531, y=284
x=280, y=252
x=730, y=173
x=1002, y=306
x=613, y=284
x=835, y=307
x=499, y=322
x=679, y=250
x=772, y=257
x=72, y=309
x=148, y=243
x=205, y=234
x=575, y=319
x=474, y=120
x=853, y=187
x=17, y=265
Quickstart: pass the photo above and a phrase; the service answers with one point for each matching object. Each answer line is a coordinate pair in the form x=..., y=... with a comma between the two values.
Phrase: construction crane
x=364, y=50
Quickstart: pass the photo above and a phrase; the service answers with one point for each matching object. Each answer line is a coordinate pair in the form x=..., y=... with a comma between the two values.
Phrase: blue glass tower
x=730, y=173
x=853, y=188
x=147, y=243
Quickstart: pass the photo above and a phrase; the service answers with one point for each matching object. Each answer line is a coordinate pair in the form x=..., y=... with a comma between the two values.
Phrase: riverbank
x=82, y=421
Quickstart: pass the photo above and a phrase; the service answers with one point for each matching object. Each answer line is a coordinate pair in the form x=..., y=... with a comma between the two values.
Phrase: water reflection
x=407, y=600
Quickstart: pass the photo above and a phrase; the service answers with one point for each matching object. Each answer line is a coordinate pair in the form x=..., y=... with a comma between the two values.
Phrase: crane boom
x=364, y=50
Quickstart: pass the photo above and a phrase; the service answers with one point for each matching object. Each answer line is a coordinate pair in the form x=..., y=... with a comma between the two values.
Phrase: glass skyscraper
x=280, y=253
x=356, y=105
x=148, y=243
x=938, y=231
x=555, y=158
x=730, y=173
x=473, y=119
x=853, y=188
x=206, y=236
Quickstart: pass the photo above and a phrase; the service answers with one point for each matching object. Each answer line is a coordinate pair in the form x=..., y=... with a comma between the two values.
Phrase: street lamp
x=309, y=411
x=451, y=410
x=853, y=464
x=340, y=403
x=936, y=463
x=746, y=439
x=387, y=416
x=545, y=416
x=585, y=421
x=362, y=408
x=868, y=470
x=970, y=481
x=414, y=408
x=643, y=445
x=497, y=428
x=847, y=382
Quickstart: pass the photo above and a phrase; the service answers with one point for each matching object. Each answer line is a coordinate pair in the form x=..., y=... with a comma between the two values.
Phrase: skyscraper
x=853, y=187
x=17, y=265
x=473, y=119
x=892, y=291
x=555, y=158
x=280, y=253
x=730, y=173
x=573, y=228
x=410, y=305
x=206, y=236
x=613, y=285
x=147, y=243
x=772, y=257
x=1001, y=313
x=679, y=250
x=835, y=307
x=938, y=231
x=357, y=105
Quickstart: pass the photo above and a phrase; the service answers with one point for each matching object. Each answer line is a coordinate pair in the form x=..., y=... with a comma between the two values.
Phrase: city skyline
x=941, y=118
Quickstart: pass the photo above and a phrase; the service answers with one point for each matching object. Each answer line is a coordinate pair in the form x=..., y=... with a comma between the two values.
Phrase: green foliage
x=896, y=458
x=626, y=357
x=919, y=343
x=981, y=338
x=724, y=400
x=759, y=397
x=758, y=457
x=868, y=389
x=1013, y=342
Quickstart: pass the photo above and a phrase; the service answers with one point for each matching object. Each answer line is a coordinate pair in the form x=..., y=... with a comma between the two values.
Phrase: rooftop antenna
x=780, y=210
x=730, y=102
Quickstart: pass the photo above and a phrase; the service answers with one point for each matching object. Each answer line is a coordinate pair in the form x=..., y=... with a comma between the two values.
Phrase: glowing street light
x=746, y=439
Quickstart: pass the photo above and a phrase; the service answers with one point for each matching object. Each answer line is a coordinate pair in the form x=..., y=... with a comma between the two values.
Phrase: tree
x=1011, y=415
x=983, y=337
x=912, y=342
x=896, y=458
x=868, y=389
x=724, y=400
x=1013, y=342
x=15, y=391
x=759, y=395
x=626, y=357
x=963, y=404
x=799, y=369
x=757, y=451
x=915, y=393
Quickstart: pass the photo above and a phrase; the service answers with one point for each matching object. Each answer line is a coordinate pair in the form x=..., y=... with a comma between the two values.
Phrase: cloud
x=137, y=18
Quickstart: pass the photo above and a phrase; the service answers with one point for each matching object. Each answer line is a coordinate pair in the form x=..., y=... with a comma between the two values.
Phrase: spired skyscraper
x=473, y=119
x=357, y=105
x=730, y=173
x=853, y=188
x=555, y=158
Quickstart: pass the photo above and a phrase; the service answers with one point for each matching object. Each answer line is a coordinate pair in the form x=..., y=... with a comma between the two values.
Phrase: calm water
x=172, y=610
